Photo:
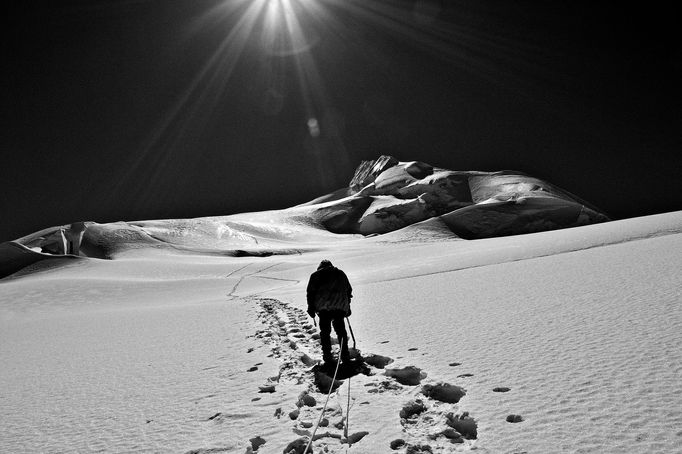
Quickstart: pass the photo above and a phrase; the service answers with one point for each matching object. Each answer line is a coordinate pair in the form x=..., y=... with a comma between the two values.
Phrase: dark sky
x=149, y=109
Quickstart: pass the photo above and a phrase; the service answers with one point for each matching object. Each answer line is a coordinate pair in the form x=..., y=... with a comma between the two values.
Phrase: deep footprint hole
x=377, y=361
x=412, y=408
x=408, y=376
x=444, y=392
x=464, y=424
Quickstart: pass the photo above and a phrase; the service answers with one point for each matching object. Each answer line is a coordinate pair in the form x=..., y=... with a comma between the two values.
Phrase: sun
x=288, y=26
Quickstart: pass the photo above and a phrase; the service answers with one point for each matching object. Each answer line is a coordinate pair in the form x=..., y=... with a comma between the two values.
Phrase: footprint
x=465, y=375
x=377, y=361
x=324, y=383
x=514, y=418
x=419, y=449
x=501, y=389
x=305, y=399
x=397, y=444
x=256, y=442
x=298, y=446
x=307, y=360
x=355, y=437
x=409, y=375
x=444, y=392
x=451, y=434
x=412, y=349
x=327, y=435
x=412, y=408
x=383, y=386
x=464, y=424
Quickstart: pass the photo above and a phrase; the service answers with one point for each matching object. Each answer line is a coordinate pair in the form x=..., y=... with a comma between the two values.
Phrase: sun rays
x=278, y=44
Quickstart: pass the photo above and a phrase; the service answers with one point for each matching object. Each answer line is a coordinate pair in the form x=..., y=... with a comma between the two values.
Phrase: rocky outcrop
x=367, y=171
x=387, y=195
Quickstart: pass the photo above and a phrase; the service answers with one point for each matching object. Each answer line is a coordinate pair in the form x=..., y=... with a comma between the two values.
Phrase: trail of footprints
x=430, y=422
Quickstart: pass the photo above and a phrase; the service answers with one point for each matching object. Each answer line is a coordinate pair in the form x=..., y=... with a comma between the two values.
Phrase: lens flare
x=280, y=52
x=313, y=127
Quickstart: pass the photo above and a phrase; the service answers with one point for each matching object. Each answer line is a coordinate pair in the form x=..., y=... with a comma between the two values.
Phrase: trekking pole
x=351, y=331
x=345, y=426
x=331, y=388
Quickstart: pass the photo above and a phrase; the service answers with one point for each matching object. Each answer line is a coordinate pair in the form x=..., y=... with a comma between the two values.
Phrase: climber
x=329, y=293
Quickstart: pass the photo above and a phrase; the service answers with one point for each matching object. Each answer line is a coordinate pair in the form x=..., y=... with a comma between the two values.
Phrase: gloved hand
x=348, y=312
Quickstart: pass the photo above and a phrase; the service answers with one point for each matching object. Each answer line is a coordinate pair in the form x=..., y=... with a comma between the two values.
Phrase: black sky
x=106, y=118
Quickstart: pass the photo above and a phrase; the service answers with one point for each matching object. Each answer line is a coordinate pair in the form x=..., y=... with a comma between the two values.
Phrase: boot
x=328, y=358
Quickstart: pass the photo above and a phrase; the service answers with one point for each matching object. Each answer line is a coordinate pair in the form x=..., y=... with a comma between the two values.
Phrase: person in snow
x=329, y=293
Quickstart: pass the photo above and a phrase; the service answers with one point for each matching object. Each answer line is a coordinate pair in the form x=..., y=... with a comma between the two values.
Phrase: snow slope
x=384, y=196
x=175, y=349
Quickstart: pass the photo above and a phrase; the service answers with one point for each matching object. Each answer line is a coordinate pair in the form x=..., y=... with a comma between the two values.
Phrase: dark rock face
x=367, y=171
x=387, y=195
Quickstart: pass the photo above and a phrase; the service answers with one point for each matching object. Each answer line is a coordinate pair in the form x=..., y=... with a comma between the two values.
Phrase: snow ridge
x=387, y=195
x=384, y=196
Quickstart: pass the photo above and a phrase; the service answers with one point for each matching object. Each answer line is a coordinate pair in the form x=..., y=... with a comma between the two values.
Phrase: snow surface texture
x=560, y=341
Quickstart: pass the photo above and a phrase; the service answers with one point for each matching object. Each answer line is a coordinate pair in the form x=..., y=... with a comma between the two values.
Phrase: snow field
x=159, y=352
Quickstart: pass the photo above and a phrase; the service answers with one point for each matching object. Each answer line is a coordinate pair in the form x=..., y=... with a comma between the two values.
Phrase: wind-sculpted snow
x=384, y=196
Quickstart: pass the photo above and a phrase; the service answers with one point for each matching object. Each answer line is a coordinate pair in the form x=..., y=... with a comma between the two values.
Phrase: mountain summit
x=385, y=195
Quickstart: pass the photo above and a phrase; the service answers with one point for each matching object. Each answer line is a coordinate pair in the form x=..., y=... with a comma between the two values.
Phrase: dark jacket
x=328, y=290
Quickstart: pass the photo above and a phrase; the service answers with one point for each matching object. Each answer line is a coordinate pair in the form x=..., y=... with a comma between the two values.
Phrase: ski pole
x=351, y=331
